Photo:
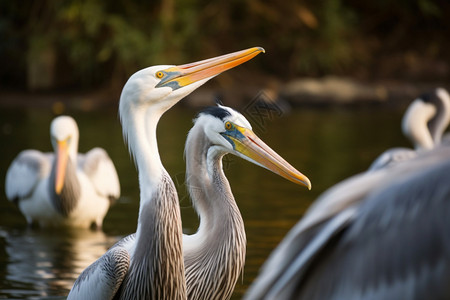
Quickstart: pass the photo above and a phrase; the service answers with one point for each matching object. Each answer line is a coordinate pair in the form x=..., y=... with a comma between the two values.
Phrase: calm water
x=326, y=145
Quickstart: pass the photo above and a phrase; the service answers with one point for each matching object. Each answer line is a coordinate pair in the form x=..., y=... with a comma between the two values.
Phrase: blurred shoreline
x=329, y=91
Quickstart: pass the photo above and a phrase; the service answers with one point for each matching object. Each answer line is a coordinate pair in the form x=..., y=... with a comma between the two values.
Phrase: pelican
x=64, y=188
x=149, y=264
x=338, y=207
x=423, y=123
x=437, y=102
x=214, y=256
x=394, y=245
x=352, y=190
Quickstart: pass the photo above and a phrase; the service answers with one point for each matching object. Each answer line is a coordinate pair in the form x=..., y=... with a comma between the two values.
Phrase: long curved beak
x=183, y=75
x=252, y=148
x=62, y=155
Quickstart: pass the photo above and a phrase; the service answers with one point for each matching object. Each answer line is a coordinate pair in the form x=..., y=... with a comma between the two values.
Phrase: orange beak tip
x=308, y=184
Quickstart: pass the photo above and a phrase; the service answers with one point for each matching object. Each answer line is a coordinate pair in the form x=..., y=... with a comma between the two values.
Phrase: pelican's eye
x=228, y=125
x=159, y=74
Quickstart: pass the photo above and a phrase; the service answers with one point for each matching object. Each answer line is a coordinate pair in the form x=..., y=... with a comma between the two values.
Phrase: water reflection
x=327, y=145
x=42, y=263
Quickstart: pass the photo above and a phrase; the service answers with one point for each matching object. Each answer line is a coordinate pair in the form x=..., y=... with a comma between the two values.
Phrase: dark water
x=327, y=145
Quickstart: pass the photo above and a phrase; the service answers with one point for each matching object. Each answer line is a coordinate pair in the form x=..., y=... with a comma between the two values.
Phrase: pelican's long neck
x=157, y=266
x=215, y=255
x=140, y=130
x=438, y=124
x=414, y=126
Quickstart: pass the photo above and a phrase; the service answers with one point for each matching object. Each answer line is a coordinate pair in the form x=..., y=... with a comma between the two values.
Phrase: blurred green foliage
x=98, y=42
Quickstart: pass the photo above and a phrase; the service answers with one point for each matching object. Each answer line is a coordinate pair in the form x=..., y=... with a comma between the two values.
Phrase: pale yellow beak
x=247, y=143
x=62, y=155
x=183, y=75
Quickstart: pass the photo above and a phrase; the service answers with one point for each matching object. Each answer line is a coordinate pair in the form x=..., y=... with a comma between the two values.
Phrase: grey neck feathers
x=157, y=267
x=215, y=262
x=67, y=200
x=157, y=270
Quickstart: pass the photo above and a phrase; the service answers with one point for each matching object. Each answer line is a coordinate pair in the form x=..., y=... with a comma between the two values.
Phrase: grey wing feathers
x=25, y=172
x=103, y=278
x=98, y=166
x=391, y=157
x=395, y=246
x=398, y=247
x=294, y=255
x=353, y=190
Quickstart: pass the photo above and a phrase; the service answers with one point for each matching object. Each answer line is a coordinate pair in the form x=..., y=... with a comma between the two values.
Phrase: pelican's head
x=163, y=86
x=64, y=138
x=229, y=132
x=426, y=119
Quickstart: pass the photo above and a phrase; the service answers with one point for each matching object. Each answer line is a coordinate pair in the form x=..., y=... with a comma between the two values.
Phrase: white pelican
x=64, y=188
x=150, y=264
x=423, y=123
x=214, y=256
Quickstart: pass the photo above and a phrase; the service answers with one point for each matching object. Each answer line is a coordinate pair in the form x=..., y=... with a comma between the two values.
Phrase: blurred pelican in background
x=63, y=188
x=436, y=104
x=424, y=123
x=377, y=235
x=352, y=190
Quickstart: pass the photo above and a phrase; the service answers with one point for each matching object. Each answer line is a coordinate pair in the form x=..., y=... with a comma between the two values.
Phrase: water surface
x=327, y=145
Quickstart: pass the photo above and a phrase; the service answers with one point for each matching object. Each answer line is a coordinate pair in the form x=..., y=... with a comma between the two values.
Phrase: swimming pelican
x=150, y=264
x=214, y=256
x=64, y=188
x=394, y=245
x=423, y=123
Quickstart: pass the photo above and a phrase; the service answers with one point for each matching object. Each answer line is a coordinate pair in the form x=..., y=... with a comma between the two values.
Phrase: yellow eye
x=159, y=74
x=228, y=125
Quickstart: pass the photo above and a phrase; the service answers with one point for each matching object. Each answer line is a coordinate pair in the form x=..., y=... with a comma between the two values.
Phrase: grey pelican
x=64, y=188
x=394, y=245
x=352, y=190
x=214, y=256
x=423, y=123
x=150, y=264
x=339, y=206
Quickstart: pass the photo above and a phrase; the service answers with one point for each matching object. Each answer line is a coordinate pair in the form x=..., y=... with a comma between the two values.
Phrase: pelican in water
x=149, y=264
x=435, y=103
x=64, y=188
x=287, y=273
x=423, y=123
x=214, y=256
x=353, y=190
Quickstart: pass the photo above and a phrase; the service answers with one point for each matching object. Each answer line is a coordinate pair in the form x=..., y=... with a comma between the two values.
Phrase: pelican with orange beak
x=64, y=188
x=149, y=264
